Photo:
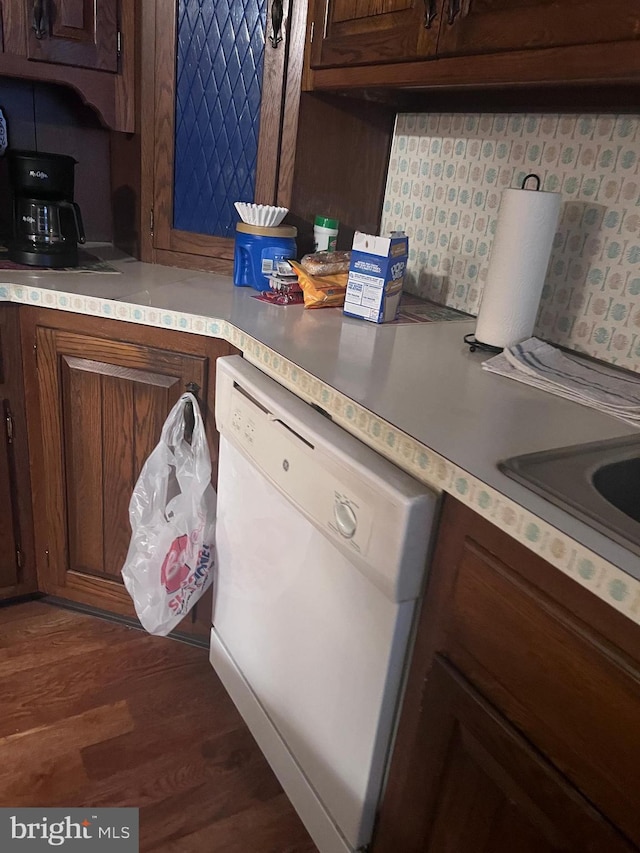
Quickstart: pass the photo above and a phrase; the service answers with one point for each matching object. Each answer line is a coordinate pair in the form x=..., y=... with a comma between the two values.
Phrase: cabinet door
x=83, y=33
x=102, y=406
x=354, y=32
x=487, y=26
x=473, y=784
x=219, y=93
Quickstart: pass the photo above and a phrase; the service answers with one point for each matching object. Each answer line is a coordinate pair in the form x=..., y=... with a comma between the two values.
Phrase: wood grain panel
x=14, y=27
x=349, y=10
x=568, y=671
x=8, y=560
x=357, y=32
x=72, y=15
x=127, y=84
x=494, y=25
x=15, y=479
x=619, y=62
x=81, y=33
x=149, y=404
x=164, y=120
x=477, y=786
x=560, y=665
x=121, y=723
x=200, y=244
x=291, y=107
x=347, y=142
x=119, y=476
x=185, y=260
x=84, y=485
x=273, y=82
x=60, y=753
x=140, y=378
x=54, y=519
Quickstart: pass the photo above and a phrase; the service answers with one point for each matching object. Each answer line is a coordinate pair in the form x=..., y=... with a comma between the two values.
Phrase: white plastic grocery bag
x=172, y=510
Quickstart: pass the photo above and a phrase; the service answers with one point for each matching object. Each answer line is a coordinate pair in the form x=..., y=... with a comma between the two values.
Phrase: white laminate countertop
x=420, y=379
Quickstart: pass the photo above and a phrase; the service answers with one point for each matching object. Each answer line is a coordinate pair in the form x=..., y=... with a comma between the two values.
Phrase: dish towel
x=537, y=363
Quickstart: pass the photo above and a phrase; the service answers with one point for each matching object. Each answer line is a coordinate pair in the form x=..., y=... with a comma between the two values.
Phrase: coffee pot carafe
x=47, y=224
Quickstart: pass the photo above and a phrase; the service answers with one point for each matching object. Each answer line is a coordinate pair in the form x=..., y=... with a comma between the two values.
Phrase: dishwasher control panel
x=306, y=475
x=375, y=513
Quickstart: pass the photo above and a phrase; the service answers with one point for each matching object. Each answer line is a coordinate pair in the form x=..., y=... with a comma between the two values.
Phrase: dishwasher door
x=309, y=644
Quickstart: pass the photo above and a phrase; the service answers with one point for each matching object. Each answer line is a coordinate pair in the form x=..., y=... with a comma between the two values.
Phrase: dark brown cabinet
x=469, y=26
x=82, y=33
x=88, y=45
x=472, y=42
x=518, y=726
x=353, y=32
x=98, y=394
x=482, y=787
x=17, y=569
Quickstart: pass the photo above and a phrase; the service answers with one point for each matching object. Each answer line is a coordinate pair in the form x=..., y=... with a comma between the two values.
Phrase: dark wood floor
x=97, y=714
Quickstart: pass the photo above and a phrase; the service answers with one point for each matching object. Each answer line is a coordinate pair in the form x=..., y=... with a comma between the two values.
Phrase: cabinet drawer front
x=82, y=33
x=575, y=696
x=495, y=25
x=473, y=783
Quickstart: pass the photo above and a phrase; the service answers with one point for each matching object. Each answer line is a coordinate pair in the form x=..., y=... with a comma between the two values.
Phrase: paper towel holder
x=536, y=178
x=473, y=344
x=470, y=339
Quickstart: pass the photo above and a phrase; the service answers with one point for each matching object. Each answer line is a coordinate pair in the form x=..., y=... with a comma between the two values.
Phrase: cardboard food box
x=376, y=274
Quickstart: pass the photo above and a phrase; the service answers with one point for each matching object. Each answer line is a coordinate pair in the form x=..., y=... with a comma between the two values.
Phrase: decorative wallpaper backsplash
x=446, y=175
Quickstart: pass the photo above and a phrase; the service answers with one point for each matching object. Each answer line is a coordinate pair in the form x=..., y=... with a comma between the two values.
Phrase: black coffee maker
x=47, y=224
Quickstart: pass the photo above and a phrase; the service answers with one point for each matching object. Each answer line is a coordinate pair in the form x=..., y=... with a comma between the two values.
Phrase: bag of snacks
x=326, y=291
x=326, y=263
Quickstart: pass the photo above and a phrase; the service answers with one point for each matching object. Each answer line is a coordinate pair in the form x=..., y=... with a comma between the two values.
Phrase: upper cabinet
x=74, y=32
x=469, y=26
x=360, y=43
x=350, y=32
x=88, y=45
x=218, y=84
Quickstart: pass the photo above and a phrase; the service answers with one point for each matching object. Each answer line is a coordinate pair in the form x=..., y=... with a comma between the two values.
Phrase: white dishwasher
x=321, y=554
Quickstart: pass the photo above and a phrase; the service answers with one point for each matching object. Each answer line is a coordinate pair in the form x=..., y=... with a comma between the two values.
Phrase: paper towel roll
x=518, y=264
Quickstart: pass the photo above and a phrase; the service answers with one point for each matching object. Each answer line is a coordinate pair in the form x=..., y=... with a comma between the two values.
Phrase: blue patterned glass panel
x=218, y=88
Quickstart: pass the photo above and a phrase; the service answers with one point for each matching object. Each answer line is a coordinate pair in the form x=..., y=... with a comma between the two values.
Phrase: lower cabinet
x=518, y=728
x=98, y=393
x=17, y=568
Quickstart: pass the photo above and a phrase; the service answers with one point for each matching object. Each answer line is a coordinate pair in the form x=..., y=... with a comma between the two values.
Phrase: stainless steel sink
x=598, y=483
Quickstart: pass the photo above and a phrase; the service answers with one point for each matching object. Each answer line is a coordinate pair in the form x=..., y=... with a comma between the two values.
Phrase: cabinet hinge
x=10, y=425
x=119, y=44
x=313, y=26
x=151, y=221
x=46, y=556
x=35, y=354
x=19, y=558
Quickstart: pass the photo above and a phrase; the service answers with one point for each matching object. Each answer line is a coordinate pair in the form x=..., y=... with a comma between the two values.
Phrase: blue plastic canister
x=257, y=252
